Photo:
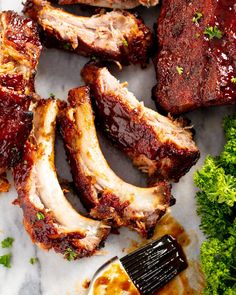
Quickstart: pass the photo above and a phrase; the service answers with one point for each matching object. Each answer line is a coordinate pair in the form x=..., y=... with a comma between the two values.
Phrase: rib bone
x=49, y=218
x=158, y=145
x=103, y=192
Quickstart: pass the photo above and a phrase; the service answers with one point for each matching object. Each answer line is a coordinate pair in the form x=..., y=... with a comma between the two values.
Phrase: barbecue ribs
x=197, y=53
x=19, y=53
x=102, y=191
x=49, y=218
x=120, y=4
x=158, y=145
x=115, y=35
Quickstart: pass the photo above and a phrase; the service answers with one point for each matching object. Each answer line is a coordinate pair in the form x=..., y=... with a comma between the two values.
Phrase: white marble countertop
x=58, y=72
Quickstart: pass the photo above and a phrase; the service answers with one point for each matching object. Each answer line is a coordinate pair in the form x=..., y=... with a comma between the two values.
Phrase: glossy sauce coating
x=225, y=50
x=19, y=53
x=158, y=145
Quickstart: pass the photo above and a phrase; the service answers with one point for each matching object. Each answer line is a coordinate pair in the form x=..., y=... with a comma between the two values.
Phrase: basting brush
x=149, y=268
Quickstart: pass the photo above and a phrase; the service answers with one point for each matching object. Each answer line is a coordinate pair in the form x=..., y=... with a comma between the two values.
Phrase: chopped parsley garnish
x=213, y=32
x=52, y=95
x=5, y=260
x=33, y=260
x=67, y=46
x=93, y=58
x=8, y=242
x=40, y=216
x=70, y=254
x=179, y=70
x=197, y=17
x=216, y=204
x=125, y=43
x=233, y=80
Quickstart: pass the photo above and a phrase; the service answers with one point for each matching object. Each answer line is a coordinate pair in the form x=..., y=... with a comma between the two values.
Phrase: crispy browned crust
x=20, y=45
x=120, y=4
x=43, y=232
x=104, y=204
x=19, y=53
x=208, y=65
x=4, y=184
x=136, y=50
x=130, y=130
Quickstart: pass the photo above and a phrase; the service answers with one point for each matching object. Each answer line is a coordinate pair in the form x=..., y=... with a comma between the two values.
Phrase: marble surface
x=58, y=72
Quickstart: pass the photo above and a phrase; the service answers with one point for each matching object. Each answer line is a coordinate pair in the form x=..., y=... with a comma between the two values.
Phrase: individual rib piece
x=120, y=4
x=49, y=218
x=20, y=49
x=19, y=53
x=194, y=68
x=102, y=191
x=115, y=35
x=158, y=145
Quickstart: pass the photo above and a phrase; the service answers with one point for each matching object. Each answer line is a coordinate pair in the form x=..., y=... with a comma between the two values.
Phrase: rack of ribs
x=19, y=53
x=158, y=145
x=104, y=194
x=116, y=35
x=49, y=218
x=115, y=4
x=197, y=51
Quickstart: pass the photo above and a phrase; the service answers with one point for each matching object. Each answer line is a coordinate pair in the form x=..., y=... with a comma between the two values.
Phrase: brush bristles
x=154, y=265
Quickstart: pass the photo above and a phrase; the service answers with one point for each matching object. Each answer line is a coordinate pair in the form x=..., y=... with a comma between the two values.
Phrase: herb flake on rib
x=197, y=16
x=179, y=70
x=40, y=216
x=125, y=43
x=213, y=32
x=70, y=254
x=233, y=80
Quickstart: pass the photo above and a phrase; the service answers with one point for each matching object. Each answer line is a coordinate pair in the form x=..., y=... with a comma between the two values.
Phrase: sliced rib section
x=20, y=49
x=115, y=35
x=19, y=53
x=106, y=195
x=49, y=218
x=195, y=64
x=158, y=145
x=120, y=4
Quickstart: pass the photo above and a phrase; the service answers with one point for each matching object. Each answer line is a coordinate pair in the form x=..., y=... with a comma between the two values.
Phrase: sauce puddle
x=115, y=280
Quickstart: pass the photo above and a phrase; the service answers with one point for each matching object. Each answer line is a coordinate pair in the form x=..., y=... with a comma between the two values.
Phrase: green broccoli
x=218, y=260
x=228, y=156
x=218, y=186
x=216, y=206
x=216, y=219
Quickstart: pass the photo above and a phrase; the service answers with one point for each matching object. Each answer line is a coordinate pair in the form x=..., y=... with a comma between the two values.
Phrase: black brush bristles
x=155, y=264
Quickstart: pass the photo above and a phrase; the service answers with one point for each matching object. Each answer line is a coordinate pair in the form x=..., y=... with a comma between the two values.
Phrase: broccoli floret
x=216, y=219
x=215, y=183
x=228, y=156
x=218, y=261
x=216, y=205
x=229, y=126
